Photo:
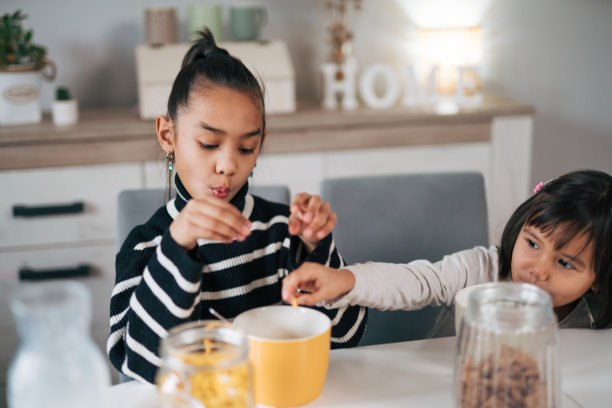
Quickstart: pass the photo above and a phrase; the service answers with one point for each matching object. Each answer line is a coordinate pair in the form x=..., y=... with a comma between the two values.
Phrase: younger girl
x=560, y=239
x=214, y=245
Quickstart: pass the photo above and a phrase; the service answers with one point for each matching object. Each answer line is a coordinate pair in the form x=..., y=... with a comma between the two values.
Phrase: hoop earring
x=170, y=159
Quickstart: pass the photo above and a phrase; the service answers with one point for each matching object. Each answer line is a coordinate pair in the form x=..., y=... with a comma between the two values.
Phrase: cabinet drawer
x=32, y=191
x=100, y=281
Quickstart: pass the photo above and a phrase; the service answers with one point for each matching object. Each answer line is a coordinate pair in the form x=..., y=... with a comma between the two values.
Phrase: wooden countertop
x=118, y=135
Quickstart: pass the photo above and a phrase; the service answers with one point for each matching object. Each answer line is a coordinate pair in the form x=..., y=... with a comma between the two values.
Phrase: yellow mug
x=289, y=353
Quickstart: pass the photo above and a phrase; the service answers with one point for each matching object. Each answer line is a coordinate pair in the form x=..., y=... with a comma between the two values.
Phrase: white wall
x=553, y=54
x=557, y=56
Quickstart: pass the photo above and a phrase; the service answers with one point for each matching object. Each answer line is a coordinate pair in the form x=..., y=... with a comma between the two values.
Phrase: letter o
x=366, y=86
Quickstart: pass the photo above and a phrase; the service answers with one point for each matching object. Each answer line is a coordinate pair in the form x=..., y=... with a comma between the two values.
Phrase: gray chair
x=400, y=218
x=135, y=207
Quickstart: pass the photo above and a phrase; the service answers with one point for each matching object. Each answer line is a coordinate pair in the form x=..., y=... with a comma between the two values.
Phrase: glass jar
x=57, y=364
x=209, y=361
x=507, y=349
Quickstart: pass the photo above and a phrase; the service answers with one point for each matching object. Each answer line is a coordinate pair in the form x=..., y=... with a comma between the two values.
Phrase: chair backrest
x=135, y=207
x=274, y=192
x=400, y=218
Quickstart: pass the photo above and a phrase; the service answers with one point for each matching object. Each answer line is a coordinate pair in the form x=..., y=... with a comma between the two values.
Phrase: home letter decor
x=343, y=84
x=468, y=91
x=416, y=95
x=367, y=91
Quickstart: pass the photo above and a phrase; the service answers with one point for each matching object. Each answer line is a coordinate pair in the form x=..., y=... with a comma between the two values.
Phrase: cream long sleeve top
x=420, y=283
x=414, y=285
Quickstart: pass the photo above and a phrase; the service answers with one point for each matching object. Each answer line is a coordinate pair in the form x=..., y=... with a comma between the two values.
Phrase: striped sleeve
x=151, y=295
x=348, y=322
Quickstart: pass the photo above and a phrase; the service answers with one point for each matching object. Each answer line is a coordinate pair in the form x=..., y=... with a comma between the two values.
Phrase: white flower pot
x=65, y=112
x=19, y=97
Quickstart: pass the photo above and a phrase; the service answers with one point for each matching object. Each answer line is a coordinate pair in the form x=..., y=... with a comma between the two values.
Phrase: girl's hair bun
x=202, y=47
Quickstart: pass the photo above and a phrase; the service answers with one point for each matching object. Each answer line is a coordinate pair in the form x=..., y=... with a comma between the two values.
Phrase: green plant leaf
x=62, y=93
x=16, y=46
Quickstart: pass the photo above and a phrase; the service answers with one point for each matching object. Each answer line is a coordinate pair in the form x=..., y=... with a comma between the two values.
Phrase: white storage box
x=156, y=68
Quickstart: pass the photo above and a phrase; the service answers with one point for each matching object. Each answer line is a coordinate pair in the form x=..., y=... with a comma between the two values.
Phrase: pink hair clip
x=538, y=187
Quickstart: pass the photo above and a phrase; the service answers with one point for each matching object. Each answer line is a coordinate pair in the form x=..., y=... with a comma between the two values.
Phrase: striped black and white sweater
x=159, y=285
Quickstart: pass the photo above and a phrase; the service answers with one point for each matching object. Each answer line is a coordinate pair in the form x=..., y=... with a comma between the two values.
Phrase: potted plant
x=65, y=110
x=22, y=62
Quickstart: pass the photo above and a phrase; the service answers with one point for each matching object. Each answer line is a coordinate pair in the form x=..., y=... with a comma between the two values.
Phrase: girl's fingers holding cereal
x=299, y=207
x=320, y=222
x=188, y=228
x=292, y=283
x=307, y=299
x=324, y=231
x=313, y=283
x=295, y=225
x=209, y=219
x=314, y=204
x=300, y=200
x=227, y=214
x=214, y=228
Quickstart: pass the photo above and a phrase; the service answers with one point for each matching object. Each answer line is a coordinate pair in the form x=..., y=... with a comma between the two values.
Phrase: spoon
x=218, y=316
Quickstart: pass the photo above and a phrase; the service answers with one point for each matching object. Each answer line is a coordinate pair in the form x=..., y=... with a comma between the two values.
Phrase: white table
x=420, y=374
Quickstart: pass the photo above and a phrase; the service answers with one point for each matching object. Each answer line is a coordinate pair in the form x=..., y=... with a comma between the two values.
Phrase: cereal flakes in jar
x=209, y=361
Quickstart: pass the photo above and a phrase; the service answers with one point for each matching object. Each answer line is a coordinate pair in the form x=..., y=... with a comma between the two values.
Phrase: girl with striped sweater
x=214, y=244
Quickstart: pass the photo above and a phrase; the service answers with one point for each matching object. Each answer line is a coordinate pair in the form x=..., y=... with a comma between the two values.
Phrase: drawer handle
x=26, y=211
x=39, y=274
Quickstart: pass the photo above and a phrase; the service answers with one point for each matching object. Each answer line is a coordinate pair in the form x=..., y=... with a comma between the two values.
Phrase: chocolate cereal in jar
x=507, y=349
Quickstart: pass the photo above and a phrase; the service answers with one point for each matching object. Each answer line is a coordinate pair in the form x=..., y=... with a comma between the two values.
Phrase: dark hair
x=205, y=65
x=575, y=203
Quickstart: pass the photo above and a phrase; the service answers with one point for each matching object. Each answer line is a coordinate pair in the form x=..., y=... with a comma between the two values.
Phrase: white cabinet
x=62, y=241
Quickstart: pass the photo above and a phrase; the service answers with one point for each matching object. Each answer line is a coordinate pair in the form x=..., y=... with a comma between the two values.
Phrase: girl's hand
x=312, y=283
x=311, y=218
x=209, y=218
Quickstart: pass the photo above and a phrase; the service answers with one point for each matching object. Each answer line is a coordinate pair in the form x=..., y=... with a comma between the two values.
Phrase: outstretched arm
x=389, y=286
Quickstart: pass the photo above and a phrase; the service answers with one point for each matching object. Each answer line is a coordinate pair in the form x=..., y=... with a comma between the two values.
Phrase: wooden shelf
x=118, y=135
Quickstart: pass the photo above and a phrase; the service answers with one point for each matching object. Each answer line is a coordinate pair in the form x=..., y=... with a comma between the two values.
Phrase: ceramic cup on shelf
x=246, y=21
x=200, y=16
x=160, y=25
x=289, y=352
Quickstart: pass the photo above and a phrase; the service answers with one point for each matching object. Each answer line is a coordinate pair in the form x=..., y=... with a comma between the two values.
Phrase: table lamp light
x=455, y=54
